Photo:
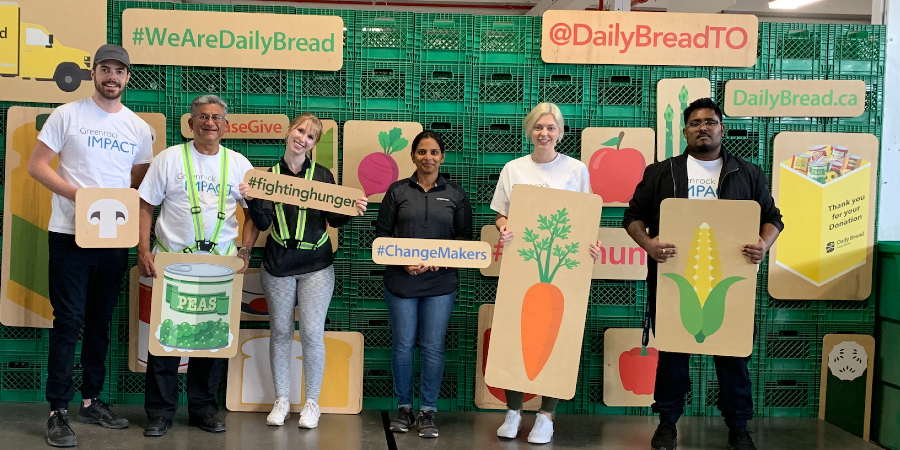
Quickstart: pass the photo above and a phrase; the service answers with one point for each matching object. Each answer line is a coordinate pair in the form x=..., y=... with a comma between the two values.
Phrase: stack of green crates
x=473, y=79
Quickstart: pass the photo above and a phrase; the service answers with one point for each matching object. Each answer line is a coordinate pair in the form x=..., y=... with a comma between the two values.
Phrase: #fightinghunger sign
x=795, y=98
x=228, y=39
x=634, y=38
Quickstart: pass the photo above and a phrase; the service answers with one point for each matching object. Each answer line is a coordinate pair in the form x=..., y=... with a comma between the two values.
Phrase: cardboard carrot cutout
x=702, y=289
x=543, y=305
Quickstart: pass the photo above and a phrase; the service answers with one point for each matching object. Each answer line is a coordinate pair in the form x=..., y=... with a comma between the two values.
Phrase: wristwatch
x=244, y=249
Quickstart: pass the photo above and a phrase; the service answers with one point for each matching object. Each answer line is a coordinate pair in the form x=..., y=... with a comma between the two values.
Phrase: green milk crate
x=382, y=86
x=858, y=49
x=442, y=89
x=504, y=40
x=566, y=85
x=622, y=93
x=383, y=35
x=444, y=38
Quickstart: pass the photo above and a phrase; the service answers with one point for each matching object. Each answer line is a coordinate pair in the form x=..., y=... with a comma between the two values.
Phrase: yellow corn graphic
x=704, y=269
x=703, y=281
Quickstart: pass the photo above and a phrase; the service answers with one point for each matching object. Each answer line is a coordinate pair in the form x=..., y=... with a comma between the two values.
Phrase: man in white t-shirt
x=706, y=170
x=196, y=186
x=100, y=143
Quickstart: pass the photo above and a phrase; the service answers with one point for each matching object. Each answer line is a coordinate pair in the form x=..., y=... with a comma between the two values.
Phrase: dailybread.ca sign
x=635, y=38
x=795, y=98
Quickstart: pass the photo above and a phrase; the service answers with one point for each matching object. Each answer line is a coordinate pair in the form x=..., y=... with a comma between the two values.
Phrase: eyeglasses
x=215, y=117
x=709, y=124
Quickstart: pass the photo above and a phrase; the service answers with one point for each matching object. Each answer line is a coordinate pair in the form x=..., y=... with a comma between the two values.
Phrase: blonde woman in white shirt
x=547, y=168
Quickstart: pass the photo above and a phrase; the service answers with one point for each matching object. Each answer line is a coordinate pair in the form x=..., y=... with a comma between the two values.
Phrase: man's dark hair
x=702, y=103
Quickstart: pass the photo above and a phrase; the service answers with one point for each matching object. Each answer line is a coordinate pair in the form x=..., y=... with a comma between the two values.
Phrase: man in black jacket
x=704, y=171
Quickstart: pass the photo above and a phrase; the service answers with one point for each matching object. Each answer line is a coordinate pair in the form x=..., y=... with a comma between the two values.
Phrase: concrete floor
x=22, y=428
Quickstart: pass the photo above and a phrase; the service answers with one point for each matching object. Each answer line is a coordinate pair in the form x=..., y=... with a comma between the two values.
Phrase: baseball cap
x=114, y=52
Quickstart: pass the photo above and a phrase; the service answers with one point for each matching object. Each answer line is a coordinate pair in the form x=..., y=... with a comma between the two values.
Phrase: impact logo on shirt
x=205, y=183
x=703, y=188
x=107, y=140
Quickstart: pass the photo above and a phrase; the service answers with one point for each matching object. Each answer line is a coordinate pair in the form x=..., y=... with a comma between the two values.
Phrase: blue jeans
x=426, y=317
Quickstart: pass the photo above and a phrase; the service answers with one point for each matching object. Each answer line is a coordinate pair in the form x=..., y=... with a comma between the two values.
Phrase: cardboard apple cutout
x=616, y=172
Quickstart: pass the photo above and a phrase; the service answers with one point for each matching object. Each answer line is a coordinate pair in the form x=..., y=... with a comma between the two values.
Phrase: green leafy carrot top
x=543, y=248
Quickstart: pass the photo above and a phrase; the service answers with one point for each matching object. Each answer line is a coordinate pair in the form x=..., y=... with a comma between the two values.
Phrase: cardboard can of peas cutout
x=196, y=305
x=629, y=368
x=542, y=293
x=376, y=154
x=706, y=294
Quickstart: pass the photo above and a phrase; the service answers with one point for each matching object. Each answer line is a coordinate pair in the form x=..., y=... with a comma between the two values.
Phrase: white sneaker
x=309, y=416
x=542, y=431
x=281, y=411
x=511, y=425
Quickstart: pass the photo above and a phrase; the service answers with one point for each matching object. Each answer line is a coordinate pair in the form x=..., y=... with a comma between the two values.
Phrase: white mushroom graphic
x=108, y=213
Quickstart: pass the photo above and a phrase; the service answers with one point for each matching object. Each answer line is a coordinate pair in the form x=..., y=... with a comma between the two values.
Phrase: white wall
x=889, y=213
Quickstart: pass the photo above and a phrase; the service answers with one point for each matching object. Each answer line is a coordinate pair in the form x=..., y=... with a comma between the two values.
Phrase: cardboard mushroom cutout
x=108, y=214
x=106, y=217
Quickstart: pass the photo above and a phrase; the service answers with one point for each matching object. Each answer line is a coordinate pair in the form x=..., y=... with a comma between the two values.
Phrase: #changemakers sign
x=635, y=38
x=228, y=39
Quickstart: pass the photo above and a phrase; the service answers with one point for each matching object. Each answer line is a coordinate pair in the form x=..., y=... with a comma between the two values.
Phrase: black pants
x=673, y=381
x=84, y=286
x=161, y=396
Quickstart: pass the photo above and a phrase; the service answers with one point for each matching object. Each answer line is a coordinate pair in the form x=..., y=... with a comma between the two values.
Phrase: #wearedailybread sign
x=431, y=252
x=302, y=192
x=233, y=39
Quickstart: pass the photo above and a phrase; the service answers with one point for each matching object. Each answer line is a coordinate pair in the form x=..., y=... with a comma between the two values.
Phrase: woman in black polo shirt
x=297, y=270
x=420, y=298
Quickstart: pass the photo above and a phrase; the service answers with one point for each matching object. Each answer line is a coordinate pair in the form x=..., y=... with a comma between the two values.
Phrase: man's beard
x=701, y=149
x=99, y=87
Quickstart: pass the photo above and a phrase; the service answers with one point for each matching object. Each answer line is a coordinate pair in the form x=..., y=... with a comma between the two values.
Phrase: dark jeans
x=161, y=391
x=427, y=318
x=84, y=286
x=673, y=381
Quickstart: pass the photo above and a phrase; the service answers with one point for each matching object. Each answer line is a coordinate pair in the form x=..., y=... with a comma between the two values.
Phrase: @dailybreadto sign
x=795, y=98
x=248, y=40
x=633, y=38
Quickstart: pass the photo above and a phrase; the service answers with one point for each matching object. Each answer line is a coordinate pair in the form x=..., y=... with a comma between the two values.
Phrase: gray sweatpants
x=312, y=293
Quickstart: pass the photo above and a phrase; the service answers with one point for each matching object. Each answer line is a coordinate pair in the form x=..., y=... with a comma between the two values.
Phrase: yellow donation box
x=825, y=202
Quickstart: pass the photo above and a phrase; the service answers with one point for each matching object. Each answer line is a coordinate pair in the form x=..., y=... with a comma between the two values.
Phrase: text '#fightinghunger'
x=304, y=195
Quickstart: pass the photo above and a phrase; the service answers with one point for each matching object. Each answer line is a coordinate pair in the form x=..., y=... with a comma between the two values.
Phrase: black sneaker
x=425, y=424
x=59, y=433
x=665, y=438
x=403, y=421
x=739, y=439
x=100, y=413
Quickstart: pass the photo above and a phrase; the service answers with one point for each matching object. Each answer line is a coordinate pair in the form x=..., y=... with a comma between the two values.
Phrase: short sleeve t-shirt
x=703, y=178
x=165, y=184
x=563, y=172
x=96, y=149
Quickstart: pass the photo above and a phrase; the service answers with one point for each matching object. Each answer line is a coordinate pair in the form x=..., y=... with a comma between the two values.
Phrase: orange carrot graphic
x=542, y=311
x=543, y=305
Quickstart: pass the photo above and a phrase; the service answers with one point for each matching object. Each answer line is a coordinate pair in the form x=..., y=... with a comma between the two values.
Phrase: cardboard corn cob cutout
x=706, y=292
x=702, y=288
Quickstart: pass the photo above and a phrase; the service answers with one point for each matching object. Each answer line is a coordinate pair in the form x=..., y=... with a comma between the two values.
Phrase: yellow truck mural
x=30, y=51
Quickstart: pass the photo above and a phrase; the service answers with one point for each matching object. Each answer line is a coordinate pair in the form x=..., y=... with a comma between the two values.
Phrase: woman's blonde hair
x=539, y=111
x=315, y=125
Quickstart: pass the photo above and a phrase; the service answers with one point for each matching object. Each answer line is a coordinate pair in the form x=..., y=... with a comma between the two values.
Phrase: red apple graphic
x=500, y=394
x=616, y=172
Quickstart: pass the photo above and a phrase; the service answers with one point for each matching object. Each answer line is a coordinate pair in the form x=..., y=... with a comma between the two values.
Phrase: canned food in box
x=836, y=165
x=838, y=152
x=853, y=162
x=818, y=153
x=817, y=171
x=800, y=163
